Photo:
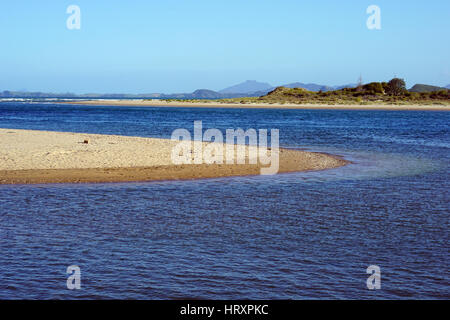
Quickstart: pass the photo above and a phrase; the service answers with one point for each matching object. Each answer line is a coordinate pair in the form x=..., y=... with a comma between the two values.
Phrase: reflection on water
x=291, y=236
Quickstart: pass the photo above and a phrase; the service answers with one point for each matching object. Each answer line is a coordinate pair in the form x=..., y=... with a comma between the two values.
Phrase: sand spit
x=29, y=156
x=214, y=104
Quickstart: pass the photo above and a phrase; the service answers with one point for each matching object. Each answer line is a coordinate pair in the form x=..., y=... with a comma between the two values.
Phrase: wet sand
x=29, y=156
x=214, y=104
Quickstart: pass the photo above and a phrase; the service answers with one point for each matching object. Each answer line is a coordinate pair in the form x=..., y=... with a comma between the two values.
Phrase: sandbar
x=215, y=104
x=34, y=156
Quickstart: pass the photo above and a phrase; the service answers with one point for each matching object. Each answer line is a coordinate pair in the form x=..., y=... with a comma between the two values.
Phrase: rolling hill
x=425, y=88
x=248, y=86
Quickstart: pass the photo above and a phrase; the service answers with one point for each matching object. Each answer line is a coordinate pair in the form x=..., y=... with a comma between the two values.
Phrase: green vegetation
x=392, y=92
x=396, y=87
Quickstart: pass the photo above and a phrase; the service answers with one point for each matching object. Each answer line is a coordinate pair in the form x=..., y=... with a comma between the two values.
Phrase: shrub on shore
x=392, y=92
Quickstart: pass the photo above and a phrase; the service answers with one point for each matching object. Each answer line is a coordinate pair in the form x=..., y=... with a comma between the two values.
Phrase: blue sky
x=183, y=45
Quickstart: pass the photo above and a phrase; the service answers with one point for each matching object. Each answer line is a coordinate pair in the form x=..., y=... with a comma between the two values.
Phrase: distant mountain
x=197, y=94
x=350, y=85
x=248, y=86
x=206, y=94
x=254, y=88
x=425, y=88
x=448, y=86
x=308, y=86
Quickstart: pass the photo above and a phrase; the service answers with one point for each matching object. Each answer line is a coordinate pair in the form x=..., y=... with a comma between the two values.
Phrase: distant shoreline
x=214, y=104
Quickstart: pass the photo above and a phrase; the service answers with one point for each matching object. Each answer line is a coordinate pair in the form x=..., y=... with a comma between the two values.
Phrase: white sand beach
x=29, y=156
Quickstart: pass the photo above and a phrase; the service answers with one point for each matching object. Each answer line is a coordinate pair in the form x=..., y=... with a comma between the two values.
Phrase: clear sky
x=182, y=45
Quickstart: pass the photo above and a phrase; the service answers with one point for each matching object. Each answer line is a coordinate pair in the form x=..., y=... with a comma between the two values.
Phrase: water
x=292, y=236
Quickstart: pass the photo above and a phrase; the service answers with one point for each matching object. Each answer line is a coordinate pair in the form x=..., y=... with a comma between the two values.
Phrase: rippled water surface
x=292, y=236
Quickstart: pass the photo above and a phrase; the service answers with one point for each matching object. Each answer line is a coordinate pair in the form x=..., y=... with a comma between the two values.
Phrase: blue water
x=292, y=236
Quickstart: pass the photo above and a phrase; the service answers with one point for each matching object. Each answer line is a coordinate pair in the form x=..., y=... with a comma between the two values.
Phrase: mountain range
x=254, y=87
x=249, y=88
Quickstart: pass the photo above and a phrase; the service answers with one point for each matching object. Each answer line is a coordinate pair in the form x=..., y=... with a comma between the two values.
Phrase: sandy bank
x=213, y=104
x=28, y=156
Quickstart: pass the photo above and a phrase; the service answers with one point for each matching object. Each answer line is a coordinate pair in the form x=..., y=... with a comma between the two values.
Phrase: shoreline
x=134, y=174
x=34, y=157
x=213, y=104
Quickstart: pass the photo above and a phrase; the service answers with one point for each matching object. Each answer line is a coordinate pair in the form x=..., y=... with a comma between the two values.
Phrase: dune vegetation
x=393, y=92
